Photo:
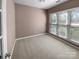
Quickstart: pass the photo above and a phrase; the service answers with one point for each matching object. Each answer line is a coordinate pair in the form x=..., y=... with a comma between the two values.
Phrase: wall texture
x=64, y=6
x=29, y=21
x=10, y=24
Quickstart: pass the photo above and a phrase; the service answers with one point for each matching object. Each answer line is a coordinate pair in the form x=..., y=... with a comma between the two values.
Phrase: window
x=53, y=23
x=65, y=24
x=0, y=4
x=1, y=36
x=0, y=48
x=74, y=33
x=62, y=24
x=75, y=17
x=0, y=23
x=53, y=18
x=62, y=31
x=53, y=29
x=63, y=18
x=74, y=27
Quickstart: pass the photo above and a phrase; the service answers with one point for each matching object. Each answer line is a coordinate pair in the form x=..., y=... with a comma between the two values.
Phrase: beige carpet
x=43, y=47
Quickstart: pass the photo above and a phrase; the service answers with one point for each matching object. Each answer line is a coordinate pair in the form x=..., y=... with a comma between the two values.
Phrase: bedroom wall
x=29, y=21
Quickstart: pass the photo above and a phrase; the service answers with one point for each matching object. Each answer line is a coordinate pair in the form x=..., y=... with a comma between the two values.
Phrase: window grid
x=69, y=26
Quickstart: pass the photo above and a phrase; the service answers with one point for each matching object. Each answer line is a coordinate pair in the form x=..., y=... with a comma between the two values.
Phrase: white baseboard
x=22, y=39
x=30, y=36
x=12, y=50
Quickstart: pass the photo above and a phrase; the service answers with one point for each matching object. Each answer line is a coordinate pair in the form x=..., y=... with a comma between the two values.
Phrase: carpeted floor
x=43, y=47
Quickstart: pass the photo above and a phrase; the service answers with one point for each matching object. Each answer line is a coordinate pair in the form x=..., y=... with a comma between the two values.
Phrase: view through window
x=65, y=24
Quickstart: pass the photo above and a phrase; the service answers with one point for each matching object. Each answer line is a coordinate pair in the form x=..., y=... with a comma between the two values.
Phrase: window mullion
x=69, y=25
x=57, y=23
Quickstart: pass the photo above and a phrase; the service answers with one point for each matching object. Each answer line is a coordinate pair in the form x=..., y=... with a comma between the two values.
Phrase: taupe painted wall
x=10, y=24
x=64, y=6
x=29, y=21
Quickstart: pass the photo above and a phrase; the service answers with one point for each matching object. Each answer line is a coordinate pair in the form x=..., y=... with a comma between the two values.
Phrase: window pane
x=0, y=4
x=62, y=31
x=75, y=17
x=74, y=33
x=0, y=24
x=53, y=19
x=0, y=48
x=63, y=18
x=53, y=29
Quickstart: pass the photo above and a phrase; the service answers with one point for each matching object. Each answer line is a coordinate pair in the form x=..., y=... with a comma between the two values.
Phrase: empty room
x=39, y=29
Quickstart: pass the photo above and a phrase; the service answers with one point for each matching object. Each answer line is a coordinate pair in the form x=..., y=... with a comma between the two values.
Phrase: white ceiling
x=42, y=5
